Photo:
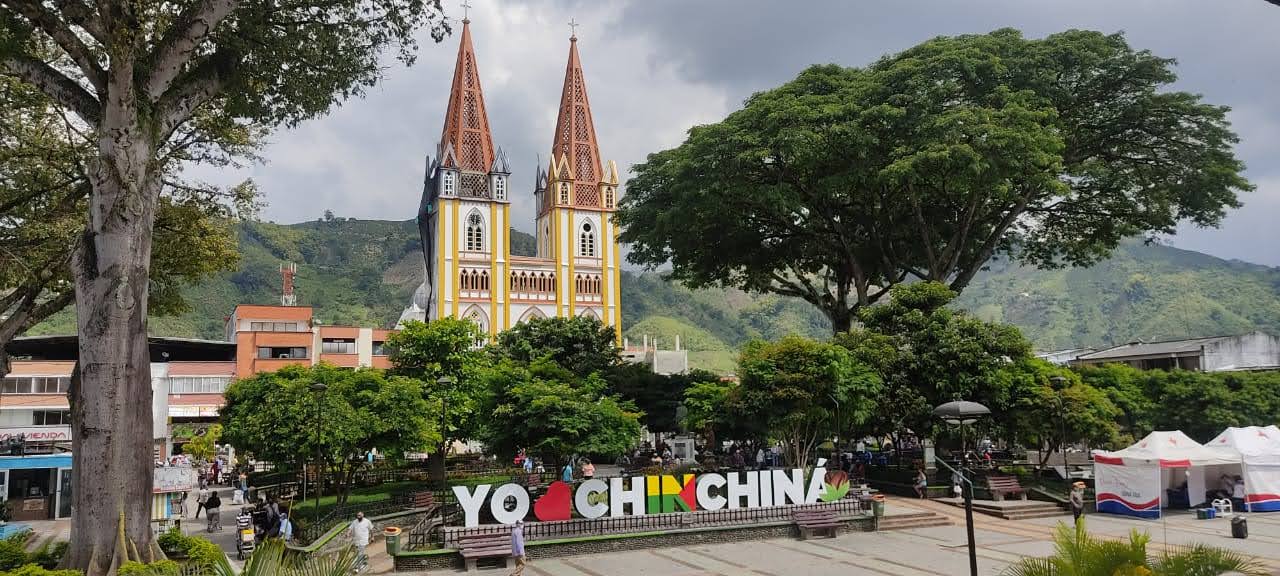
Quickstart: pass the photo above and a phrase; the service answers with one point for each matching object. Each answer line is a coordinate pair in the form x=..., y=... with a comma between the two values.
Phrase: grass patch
x=364, y=495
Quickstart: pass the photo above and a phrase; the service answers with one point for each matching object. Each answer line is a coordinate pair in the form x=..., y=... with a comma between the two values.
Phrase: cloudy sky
x=656, y=67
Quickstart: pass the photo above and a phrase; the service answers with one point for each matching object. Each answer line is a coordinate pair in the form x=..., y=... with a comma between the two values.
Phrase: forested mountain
x=363, y=272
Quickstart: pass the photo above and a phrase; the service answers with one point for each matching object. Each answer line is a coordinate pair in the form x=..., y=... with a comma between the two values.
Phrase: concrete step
x=913, y=520
x=1020, y=515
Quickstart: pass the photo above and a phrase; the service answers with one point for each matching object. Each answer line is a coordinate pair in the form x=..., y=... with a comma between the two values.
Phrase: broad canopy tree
x=140, y=77
x=929, y=163
x=278, y=417
x=928, y=354
x=580, y=344
x=444, y=348
x=801, y=392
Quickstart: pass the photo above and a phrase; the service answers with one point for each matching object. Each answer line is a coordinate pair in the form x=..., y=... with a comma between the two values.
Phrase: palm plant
x=272, y=559
x=1076, y=553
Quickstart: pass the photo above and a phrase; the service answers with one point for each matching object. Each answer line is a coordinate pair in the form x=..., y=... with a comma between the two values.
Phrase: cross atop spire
x=466, y=10
x=466, y=126
x=573, y=29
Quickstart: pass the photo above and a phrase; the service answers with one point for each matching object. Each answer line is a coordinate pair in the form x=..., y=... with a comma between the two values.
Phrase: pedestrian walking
x=361, y=530
x=517, y=547
x=212, y=513
x=1077, y=500
x=921, y=483
x=201, y=497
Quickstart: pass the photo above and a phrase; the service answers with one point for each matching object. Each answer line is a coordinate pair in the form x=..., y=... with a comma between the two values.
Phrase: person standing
x=528, y=465
x=1077, y=501
x=760, y=458
x=588, y=469
x=921, y=483
x=361, y=530
x=286, y=528
x=201, y=497
x=566, y=474
x=517, y=547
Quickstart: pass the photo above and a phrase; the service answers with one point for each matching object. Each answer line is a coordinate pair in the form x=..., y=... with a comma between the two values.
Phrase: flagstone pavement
x=935, y=551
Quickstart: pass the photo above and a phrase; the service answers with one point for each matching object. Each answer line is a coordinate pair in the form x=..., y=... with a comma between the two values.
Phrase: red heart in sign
x=554, y=505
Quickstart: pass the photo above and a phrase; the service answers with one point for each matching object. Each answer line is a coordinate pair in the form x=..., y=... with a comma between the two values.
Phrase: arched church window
x=564, y=192
x=499, y=188
x=587, y=241
x=475, y=233
x=448, y=183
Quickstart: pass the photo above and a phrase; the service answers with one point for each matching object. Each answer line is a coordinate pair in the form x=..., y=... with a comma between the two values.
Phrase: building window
x=337, y=346
x=198, y=384
x=51, y=418
x=281, y=352
x=36, y=385
x=608, y=197
x=564, y=192
x=587, y=241
x=273, y=326
x=475, y=233
x=448, y=183
x=379, y=348
x=499, y=188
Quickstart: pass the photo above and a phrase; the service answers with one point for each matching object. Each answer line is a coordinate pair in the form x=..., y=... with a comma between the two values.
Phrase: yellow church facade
x=464, y=218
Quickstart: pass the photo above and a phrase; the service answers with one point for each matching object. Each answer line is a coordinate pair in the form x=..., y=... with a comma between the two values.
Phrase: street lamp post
x=964, y=413
x=1059, y=383
x=446, y=384
x=319, y=387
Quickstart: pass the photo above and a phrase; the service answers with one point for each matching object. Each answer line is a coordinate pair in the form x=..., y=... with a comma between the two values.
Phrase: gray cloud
x=656, y=67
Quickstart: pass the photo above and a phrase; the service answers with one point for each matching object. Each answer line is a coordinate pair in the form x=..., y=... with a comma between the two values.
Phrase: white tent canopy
x=1259, y=451
x=1133, y=481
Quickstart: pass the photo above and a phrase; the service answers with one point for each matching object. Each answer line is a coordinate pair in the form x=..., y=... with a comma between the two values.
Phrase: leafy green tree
x=801, y=391
x=845, y=181
x=44, y=194
x=928, y=354
x=551, y=412
x=1048, y=413
x=706, y=405
x=149, y=83
x=444, y=348
x=204, y=446
x=278, y=417
x=1126, y=387
x=581, y=345
x=1076, y=553
x=659, y=396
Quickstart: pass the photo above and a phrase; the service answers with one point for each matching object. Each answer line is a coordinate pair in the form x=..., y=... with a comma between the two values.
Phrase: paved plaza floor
x=935, y=551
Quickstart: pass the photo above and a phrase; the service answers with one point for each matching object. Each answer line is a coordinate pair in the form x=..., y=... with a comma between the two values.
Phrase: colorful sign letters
x=638, y=495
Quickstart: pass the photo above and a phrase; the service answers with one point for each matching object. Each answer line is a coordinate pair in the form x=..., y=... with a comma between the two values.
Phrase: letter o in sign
x=582, y=499
x=498, y=503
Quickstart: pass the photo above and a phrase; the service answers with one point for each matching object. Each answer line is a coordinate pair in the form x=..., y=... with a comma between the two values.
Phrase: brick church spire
x=575, y=147
x=466, y=143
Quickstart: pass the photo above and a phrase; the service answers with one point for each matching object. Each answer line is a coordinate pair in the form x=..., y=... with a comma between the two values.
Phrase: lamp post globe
x=964, y=413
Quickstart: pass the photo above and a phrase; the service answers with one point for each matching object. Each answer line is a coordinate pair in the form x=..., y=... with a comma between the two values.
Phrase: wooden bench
x=1001, y=485
x=422, y=499
x=477, y=546
x=812, y=521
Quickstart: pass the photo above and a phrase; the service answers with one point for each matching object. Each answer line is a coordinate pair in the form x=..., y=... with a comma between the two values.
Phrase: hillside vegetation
x=363, y=272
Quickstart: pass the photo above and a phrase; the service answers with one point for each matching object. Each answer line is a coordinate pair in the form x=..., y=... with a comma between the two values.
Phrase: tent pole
x=1244, y=473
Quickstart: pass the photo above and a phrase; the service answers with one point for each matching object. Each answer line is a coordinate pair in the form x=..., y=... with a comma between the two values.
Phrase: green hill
x=364, y=271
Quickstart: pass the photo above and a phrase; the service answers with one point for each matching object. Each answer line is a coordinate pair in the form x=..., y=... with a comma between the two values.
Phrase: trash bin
x=1239, y=527
x=392, y=534
x=877, y=505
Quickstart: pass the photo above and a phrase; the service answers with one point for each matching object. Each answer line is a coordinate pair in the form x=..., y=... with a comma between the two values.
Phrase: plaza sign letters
x=638, y=495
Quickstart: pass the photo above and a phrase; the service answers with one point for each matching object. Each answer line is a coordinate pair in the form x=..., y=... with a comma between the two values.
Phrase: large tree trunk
x=111, y=386
x=437, y=463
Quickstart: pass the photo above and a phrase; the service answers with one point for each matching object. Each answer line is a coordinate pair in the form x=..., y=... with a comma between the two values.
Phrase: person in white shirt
x=361, y=530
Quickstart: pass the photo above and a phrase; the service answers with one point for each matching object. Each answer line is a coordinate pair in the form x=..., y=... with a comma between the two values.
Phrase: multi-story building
x=464, y=217
x=268, y=338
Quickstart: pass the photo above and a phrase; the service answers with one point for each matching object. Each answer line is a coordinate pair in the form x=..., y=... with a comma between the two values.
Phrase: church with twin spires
x=464, y=217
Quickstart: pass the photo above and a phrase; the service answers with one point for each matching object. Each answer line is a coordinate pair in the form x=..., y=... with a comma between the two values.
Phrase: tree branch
x=185, y=36
x=201, y=85
x=83, y=16
x=62, y=90
x=66, y=38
